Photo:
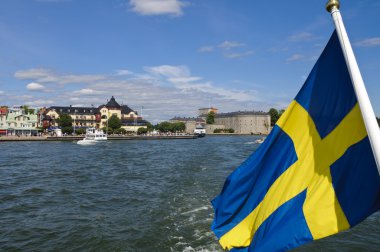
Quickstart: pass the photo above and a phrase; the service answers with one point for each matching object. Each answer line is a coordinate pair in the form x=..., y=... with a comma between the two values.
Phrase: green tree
x=178, y=126
x=142, y=131
x=65, y=120
x=210, y=117
x=164, y=127
x=27, y=110
x=114, y=122
x=67, y=130
x=273, y=116
x=80, y=131
x=150, y=127
x=121, y=131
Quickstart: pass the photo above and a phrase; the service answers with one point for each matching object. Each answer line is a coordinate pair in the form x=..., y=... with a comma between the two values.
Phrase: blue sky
x=172, y=57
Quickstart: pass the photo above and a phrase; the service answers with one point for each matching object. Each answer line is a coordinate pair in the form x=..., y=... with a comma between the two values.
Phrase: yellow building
x=130, y=119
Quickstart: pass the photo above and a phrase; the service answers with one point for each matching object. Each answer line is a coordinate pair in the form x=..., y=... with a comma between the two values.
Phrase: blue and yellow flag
x=315, y=174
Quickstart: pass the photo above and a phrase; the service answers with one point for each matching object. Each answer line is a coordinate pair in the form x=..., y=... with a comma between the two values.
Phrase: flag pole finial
x=331, y=4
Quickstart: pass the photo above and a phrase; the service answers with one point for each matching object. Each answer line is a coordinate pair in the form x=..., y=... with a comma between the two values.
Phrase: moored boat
x=200, y=131
x=95, y=134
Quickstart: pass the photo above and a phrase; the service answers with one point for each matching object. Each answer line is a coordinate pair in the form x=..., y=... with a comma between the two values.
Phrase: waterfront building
x=85, y=117
x=15, y=121
x=203, y=112
x=130, y=120
x=245, y=122
x=3, y=120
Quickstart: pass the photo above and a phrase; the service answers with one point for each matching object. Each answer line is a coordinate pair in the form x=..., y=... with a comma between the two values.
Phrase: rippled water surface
x=149, y=195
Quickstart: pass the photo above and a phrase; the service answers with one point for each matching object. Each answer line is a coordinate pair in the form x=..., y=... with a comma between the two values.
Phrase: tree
x=27, y=110
x=178, y=126
x=210, y=117
x=273, y=116
x=114, y=122
x=164, y=127
x=121, y=131
x=80, y=131
x=67, y=130
x=142, y=131
x=378, y=120
x=150, y=127
x=65, y=120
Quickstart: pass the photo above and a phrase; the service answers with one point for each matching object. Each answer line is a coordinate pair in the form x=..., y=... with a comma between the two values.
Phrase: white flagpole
x=364, y=103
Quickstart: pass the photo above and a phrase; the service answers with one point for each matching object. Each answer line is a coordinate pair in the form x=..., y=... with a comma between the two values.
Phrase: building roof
x=74, y=110
x=112, y=103
x=126, y=110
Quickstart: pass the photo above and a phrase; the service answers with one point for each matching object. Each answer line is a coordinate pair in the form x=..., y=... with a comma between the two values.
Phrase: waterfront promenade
x=110, y=137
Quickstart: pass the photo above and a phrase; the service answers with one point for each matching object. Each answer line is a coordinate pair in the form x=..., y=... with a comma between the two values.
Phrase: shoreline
x=76, y=138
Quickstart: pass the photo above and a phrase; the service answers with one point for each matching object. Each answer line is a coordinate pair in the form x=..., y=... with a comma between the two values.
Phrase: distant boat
x=96, y=135
x=93, y=136
x=200, y=131
x=86, y=142
x=260, y=141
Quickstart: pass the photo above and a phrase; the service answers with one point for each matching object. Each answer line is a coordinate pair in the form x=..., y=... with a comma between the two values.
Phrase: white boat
x=92, y=137
x=96, y=135
x=200, y=131
x=260, y=141
x=86, y=142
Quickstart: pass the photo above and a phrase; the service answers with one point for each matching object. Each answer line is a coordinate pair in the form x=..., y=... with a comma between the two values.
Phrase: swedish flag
x=315, y=174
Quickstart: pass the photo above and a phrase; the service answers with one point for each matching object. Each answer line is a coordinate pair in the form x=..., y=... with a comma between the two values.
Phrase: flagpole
x=368, y=114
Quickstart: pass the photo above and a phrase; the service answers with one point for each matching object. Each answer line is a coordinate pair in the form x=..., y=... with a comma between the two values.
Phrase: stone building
x=245, y=122
x=203, y=112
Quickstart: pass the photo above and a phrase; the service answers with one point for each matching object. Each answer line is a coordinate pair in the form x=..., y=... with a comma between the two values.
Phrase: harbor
x=76, y=138
x=128, y=196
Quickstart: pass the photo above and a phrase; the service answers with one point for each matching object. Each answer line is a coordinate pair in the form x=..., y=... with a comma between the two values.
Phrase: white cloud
x=43, y=75
x=122, y=72
x=33, y=86
x=205, y=49
x=165, y=91
x=303, y=36
x=295, y=57
x=237, y=55
x=229, y=49
x=87, y=91
x=169, y=71
x=40, y=103
x=227, y=45
x=158, y=7
x=2, y=92
x=371, y=42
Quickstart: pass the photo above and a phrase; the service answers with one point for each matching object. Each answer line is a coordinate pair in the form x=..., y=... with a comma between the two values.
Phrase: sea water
x=151, y=195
